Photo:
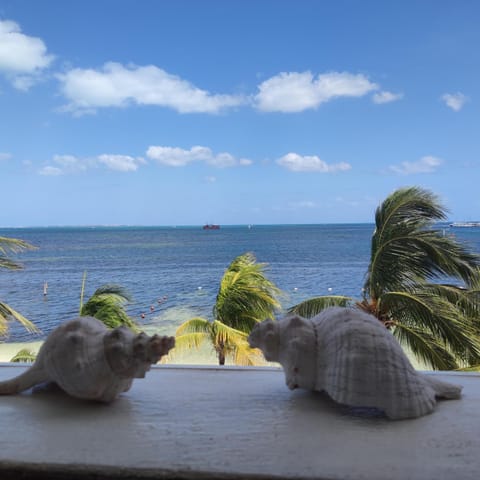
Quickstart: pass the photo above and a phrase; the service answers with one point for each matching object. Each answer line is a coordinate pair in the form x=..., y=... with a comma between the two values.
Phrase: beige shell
x=87, y=360
x=350, y=355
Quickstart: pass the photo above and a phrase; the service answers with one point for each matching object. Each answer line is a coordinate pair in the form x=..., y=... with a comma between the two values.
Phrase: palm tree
x=7, y=313
x=435, y=321
x=245, y=297
x=107, y=304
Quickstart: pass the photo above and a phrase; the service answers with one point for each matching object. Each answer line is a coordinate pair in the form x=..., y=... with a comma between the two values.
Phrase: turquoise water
x=177, y=270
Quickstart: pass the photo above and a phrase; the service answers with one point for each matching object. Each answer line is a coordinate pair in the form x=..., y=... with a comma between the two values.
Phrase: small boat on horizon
x=211, y=226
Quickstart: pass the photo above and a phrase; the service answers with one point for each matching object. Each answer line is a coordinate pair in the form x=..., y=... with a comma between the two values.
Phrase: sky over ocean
x=236, y=112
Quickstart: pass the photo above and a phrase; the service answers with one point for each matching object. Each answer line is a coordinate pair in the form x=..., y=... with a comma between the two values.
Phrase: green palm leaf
x=407, y=249
x=107, y=304
x=12, y=245
x=425, y=346
x=246, y=296
x=24, y=356
x=7, y=314
x=438, y=319
x=313, y=306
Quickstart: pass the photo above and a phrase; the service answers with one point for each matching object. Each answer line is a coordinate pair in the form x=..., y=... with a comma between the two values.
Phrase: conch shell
x=89, y=361
x=351, y=356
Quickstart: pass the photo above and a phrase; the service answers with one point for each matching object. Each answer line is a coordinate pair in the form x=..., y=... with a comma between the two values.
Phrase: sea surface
x=173, y=273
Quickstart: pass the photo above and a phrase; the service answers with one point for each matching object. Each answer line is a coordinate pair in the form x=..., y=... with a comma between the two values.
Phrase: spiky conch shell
x=89, y=361
x=351, y=356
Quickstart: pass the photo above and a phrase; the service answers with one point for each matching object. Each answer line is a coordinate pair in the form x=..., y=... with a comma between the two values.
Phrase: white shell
x=87, y=360
x=350, y=355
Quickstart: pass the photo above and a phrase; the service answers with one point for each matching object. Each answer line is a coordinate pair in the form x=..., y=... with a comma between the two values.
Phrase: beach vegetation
x=107, y=304
x=9, y=246
x=245, y=297
x=421, y=283
x=25, y=355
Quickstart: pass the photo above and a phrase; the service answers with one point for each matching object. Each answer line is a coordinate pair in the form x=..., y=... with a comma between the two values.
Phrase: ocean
x=173, y=273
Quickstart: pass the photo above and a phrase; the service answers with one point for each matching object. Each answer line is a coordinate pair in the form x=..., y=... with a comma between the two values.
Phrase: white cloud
x=121, y=163
x=295, y=92
x=70, y=164
x=455, y=101
x=210, y=179
x=22, y=57
x=116, y=85
x=178, y=157
x=303, y=204
x=50, y=171
x=298, y=163
x=386, y=97
x=427, y=164
x=5, y=156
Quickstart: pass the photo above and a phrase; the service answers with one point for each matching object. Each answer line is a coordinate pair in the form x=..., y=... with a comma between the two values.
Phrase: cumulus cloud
x=179, y=157
x=312, y=163
x=5, y=156
x=70, y=164
x=22, y=57
x=116, y=85
x=427, y=164
x=455, y=101
x=295, y=92
x=303, y=204
x=121, y=163
x=386, y=97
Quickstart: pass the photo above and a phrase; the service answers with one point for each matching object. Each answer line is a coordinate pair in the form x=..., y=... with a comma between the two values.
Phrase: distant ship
x=465, y=224
x=211, y=226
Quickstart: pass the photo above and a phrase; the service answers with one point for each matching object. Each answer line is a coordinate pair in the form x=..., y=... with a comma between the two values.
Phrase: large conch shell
x=87, y=360
x=351, y=356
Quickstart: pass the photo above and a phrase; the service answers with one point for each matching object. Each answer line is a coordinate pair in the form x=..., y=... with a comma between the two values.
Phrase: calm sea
x=173, y=273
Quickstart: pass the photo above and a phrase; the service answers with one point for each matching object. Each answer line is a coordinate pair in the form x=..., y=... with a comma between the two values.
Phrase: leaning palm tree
x=245, y=297
x=107, y=304
x=434, y=320
x=7, y=313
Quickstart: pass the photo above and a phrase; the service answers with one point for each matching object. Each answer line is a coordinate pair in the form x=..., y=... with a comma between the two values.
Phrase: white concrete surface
x=232, y=423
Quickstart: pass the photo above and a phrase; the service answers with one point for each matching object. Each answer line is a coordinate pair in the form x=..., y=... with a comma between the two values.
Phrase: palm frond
x=107, y=305
x=437, y=317
x=192, y=334
x=246, y=296
x=406, y=248
x=313, y=306
x=12, y=245
x=24, y=355
x=194, y=325
x=227, y=335
x=114, y=291
x=7, y=314
x=425, y=346
x=246, y=356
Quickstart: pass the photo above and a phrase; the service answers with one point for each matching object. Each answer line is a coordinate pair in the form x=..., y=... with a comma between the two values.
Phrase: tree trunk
x=221, y=358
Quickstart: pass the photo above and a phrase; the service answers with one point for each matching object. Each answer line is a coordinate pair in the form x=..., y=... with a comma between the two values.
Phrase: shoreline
x=203, y=356
x=9, y=350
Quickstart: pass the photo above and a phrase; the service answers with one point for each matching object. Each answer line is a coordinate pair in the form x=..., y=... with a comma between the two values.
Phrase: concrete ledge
x=232, y=423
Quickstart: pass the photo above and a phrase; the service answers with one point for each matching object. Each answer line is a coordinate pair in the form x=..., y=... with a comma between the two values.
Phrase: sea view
x=173, y=273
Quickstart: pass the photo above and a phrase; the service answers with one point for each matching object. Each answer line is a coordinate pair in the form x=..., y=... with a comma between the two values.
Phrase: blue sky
x=235, y=112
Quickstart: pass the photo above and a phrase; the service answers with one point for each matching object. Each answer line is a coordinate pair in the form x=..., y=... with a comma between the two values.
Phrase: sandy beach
x=203, y=356
x=9, y=350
